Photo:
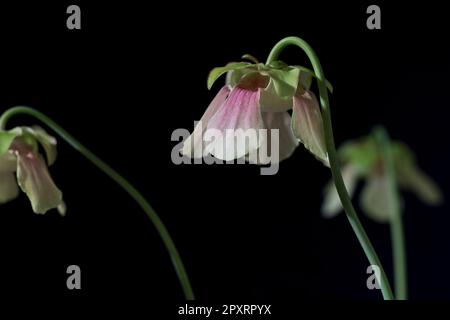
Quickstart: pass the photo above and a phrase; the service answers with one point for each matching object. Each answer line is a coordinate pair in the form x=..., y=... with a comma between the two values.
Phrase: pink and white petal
x=238, y=121
x=287, y=142
x=271, y=102
x=35, y=180
x=8, y=187
x=331, y=204
x=307, y=125
x=194, y=146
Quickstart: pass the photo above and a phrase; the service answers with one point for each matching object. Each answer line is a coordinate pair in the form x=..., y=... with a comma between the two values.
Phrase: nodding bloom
x=258, y=96
x=22, y=165
x=362, y=160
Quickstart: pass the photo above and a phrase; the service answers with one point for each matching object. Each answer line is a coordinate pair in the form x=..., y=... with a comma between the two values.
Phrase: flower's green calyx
x=285, y=78
x=217, y=72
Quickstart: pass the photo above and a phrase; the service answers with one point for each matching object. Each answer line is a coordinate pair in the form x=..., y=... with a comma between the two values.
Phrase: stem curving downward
x=334, y=163
x=121, y=181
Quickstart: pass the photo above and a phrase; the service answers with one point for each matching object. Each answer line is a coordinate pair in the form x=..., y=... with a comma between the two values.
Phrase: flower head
x=362, y=160
x=22, y=165
x=258, y=96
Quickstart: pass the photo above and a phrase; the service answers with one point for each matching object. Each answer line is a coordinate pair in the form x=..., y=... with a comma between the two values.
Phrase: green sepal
x=251, y=58
x=306, y=76
x=6, y=138
x=235, y=76
x=285, y=81
x=217, y=72
x=28, y=137
x=361, y=153
x=278, y=64
x=402, y=153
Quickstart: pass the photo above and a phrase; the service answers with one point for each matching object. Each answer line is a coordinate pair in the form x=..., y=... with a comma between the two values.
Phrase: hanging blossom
x=362, y=160
x=22, y=165
x=258, y=96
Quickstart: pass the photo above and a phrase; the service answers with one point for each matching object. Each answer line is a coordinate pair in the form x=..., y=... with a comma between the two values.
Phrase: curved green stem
x=121, y=181
x=335, y=168
x=397, y=233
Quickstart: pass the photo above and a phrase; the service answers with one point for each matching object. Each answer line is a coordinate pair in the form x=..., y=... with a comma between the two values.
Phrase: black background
x=133, y=74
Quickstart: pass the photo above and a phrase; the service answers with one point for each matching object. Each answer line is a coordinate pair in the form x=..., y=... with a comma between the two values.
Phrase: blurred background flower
x=362, y=160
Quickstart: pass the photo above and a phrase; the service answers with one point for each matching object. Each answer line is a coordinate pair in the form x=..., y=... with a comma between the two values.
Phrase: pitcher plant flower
x=22, y=165
x=276, y=96
x=362, y=160
x=258, y=96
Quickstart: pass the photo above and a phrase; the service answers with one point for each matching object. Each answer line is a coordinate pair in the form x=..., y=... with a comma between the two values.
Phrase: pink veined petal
x=286, y=143
x=34, y=179
x=308, y=126
x=194, y=147
x=235, y=126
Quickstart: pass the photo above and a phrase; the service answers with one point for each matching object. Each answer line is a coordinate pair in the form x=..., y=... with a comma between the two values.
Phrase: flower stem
x=121, y=181
x=397, y=233
x=334, y=164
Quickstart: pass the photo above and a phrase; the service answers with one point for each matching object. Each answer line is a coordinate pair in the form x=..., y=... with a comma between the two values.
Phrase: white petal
x=374, y=200
x=331, y=204
x=307, y=125
x=194, y=147
x=271, y=102
x=286, y=144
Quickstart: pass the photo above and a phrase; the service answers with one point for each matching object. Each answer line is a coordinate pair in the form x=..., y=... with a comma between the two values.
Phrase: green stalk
x=397, y=233
x=334, y=164
x=121, y=181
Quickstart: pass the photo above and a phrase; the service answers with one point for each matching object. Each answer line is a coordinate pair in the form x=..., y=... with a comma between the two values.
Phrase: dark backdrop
x=133, y=74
